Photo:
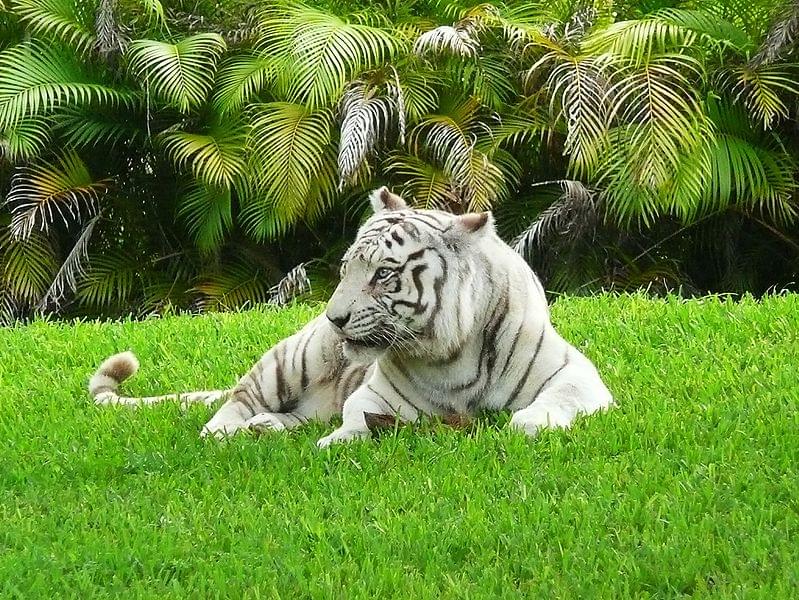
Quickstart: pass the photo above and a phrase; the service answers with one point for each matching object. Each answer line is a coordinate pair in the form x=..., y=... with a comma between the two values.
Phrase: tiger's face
x=393, y=277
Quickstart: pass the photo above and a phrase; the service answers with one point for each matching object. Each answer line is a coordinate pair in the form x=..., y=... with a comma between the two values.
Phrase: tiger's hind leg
x=266, y=422
x=304, y=377
x=235, y=415
x=574, y=389
x=318, y=404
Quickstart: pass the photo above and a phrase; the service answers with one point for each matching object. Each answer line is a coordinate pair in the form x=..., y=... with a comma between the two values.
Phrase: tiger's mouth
x=364, y=342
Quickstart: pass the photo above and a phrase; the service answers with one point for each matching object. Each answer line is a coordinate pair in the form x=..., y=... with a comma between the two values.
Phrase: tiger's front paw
x=533, y=419
x=221, y=431
x=264, y=423
x=341, y=435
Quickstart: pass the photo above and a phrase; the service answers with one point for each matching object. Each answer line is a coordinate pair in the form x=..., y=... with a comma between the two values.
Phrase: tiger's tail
x=113, y=371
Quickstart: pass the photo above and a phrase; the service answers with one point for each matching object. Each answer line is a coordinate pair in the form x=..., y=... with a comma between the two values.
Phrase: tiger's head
x=401, y=278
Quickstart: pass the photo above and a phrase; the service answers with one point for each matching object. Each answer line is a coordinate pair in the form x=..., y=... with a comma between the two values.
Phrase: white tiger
x=434, y=315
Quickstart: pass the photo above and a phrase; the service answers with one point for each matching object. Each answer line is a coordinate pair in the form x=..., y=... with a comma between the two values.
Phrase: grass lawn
x=689, y=487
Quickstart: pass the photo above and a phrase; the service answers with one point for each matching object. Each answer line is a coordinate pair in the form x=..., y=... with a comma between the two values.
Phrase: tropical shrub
x=158, y=156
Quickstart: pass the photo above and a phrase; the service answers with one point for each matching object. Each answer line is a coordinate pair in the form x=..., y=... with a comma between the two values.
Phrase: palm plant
x=165, y=162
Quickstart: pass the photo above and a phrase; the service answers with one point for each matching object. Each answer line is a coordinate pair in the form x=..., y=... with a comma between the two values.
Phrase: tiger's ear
x=474, y=223
x=382, y=199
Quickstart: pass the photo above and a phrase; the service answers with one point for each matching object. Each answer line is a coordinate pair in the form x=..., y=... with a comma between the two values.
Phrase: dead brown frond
x=572, y=217
x=781, y=37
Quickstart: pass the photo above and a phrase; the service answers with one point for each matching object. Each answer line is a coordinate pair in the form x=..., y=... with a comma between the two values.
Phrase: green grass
x=689, y=487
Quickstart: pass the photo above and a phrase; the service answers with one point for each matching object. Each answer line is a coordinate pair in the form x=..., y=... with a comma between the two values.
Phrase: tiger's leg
x=309, y=408
x=575, y=388
x=353, y=425
x=283, y=384
x=264, y=422
x=378, y=396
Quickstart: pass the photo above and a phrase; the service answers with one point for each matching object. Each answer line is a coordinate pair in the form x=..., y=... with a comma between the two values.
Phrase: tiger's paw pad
x=264, y=423
x=341, y=436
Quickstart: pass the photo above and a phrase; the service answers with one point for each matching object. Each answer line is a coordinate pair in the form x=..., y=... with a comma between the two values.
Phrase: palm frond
x=294, y=285
x=531, y=26
x=155, y=11
x=397, y=94
x=233, y=285
x=290, y=151
x=519, y=128
x=60, y=19
x=781, y=37
x=108, y=35
x=419, y=91
x=208, y=213
x=579, y=92
x=567, y=220
x=578, y=25
x=668, y=31
x=639, y=40
x=182, y=74
x=713, y=31
x=240, y=79
x=35, y=78
x=320, y=53
x=108, y=281
x=24, y=141
x=684, y=195
x=87, y=127
x=10, y=311
x=450, y=140
x=27, y=267
x=216, y=158
x=751, y=176
x=168, y=287
x=660, y=122
x=761, y=89
x=629, y=193
x=425, y=185
x=42, y=194
x=66, y=278
x=366, y=118
x=489, y=79
x=484, y=184
x=460, y=40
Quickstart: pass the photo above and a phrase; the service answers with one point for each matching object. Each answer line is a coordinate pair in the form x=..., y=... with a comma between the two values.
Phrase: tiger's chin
x=362, y=352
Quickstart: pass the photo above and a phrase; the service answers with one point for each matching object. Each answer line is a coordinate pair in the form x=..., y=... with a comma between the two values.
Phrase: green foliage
x=204, y=128
x=42, y=195
x=180, y=74
x=36, y=79
x=291, y=152
x=68, y=22
x=215, y=158
x=28, y=266
x=317, y=54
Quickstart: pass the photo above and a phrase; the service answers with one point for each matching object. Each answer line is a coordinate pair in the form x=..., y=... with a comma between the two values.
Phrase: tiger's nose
x=339, y=320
